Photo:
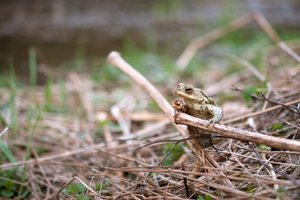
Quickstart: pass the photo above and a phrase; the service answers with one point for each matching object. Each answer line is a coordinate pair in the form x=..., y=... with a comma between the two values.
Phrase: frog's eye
x=180, y=85
x=189, y=90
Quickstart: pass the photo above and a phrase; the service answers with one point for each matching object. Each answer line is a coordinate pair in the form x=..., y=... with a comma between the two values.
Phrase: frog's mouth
x=185, y=95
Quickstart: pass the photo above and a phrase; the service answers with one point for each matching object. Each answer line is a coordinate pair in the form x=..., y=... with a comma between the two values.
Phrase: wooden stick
x=243, y=117
x=81, y=181
x=4, y=131
x=115, y=59
x=210, y=37
x=240, y=134
x=232, y=26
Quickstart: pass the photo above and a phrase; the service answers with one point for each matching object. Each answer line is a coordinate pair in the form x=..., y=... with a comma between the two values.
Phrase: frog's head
x=190, y=93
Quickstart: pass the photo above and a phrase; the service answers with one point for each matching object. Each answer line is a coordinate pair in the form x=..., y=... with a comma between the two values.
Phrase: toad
x=196, y=103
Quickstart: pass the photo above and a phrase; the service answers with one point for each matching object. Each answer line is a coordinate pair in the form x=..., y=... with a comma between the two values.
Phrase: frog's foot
x=218, y=114
x=179, y=107
x=176, y=113
x=211, y=121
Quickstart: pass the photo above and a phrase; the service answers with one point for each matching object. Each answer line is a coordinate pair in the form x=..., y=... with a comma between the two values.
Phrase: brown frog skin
x=196, y=103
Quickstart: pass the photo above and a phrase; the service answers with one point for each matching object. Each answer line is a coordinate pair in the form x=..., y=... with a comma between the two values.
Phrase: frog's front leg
x=209, y=112
x=179, y=106
x=217, y=114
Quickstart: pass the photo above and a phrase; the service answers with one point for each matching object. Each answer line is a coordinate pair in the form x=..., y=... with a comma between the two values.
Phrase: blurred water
x=57, y=27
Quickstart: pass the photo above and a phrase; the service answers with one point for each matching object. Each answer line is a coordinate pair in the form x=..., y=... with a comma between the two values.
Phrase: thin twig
x=4, y=131
x=237, y=160
x=243, y=117
x=69, y=182
x=148, y=131
x=264, y=98
x=251, y=68
x=127, y=192
x=122, y=119
x=88, y=149
x=232, y=26
x=240, y=134
x=210, y=37
x=186, y=187
x=176, y=169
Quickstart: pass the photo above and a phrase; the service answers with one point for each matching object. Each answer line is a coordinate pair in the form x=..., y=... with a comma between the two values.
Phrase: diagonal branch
x=232, y=26
x=243, y=117
x=115, y=59
x=240, y=134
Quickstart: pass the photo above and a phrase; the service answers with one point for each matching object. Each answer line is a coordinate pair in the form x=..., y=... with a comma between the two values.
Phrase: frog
x=195, y=102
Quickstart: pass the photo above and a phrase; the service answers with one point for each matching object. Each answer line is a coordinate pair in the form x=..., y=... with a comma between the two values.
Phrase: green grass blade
x=48, y=96
x=8, y=154
x=13, y=113
x=32, y=66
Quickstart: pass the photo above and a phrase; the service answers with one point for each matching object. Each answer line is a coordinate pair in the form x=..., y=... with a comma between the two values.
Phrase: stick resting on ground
x=240, y=134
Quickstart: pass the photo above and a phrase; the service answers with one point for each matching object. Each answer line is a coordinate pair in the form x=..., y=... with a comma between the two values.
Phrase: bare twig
x=122, y=118
x=122, y=189
x=257, y=74
x=4, y=131
x=69, y=182
x=237, y=160
x=240, y=118
x=264, y=98
x=84, y=93
x=289, y=51
x=234, y=25
x=186, y=187
x=240, y=134
x=225, y=83
x=265, y=162
x=147, y=132
x=251, y=68
x=210, y=37
x=85, y=150
x=136, y=116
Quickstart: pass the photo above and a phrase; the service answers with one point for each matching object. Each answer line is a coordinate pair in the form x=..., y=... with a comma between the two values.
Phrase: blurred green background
x=77, y=35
